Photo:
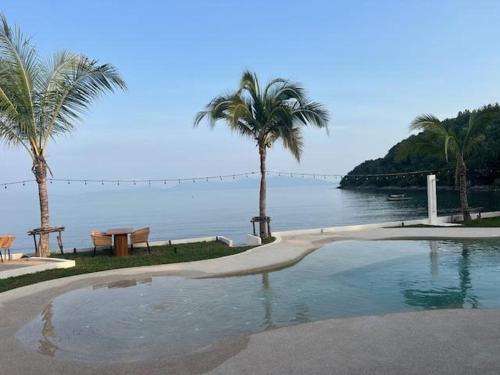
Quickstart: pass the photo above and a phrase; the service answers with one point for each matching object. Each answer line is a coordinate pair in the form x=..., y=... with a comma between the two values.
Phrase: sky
x=375, y=65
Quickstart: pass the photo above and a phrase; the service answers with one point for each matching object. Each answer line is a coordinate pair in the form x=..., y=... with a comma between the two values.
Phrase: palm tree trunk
x=263, y=193
x=40, y=172
x=462, y=186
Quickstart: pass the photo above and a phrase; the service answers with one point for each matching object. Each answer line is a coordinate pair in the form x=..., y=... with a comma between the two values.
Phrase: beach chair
x=100, y=239
x=140, y=236
x=5, y=244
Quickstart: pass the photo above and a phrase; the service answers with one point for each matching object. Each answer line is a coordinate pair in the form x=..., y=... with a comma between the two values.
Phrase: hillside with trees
x=413, y=155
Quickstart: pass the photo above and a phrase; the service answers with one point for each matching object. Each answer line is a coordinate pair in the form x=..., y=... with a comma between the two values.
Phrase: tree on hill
x=453, y=143
x=423, y=151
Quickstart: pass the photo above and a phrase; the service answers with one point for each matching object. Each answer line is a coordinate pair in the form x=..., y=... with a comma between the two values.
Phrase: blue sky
x=375, y=65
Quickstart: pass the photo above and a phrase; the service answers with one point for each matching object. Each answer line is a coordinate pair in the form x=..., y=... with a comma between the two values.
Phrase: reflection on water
x=46, y=345
x=137, y=319
x=123, y=283
x=459, y=296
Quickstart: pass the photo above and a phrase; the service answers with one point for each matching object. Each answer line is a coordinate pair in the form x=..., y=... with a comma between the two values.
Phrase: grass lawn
x=488, y=222
x=86, y=263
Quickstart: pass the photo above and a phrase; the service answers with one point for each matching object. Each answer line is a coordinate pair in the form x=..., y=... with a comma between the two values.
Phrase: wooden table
x=120, y=240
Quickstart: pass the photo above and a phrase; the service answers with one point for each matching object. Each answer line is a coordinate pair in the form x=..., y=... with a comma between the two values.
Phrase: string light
x=337, y=177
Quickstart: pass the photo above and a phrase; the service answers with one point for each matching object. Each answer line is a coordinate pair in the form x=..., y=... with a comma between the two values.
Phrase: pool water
x=140, y=319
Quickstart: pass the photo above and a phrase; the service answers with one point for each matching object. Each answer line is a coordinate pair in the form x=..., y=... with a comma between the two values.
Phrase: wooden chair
x=101, y=239
x=6, y=243
x=140, y=236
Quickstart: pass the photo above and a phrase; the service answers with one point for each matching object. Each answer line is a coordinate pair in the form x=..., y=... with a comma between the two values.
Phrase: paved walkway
x=441, y=342
x=399, y=344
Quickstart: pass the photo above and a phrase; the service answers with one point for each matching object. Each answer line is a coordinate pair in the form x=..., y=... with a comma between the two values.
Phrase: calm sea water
x=139, y=319
x=193, y=210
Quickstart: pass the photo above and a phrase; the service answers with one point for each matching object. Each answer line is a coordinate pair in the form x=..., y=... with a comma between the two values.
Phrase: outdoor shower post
x=431, y=199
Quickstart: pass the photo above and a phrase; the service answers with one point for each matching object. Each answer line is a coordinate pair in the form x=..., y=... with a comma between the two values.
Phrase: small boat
x=398, y=197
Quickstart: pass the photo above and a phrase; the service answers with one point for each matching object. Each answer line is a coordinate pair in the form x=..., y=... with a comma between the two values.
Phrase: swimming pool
x=138, y=319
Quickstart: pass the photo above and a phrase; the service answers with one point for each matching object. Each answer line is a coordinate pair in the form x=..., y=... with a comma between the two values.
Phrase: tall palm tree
x=457, y=144
x=278, y=111
x=39, y=101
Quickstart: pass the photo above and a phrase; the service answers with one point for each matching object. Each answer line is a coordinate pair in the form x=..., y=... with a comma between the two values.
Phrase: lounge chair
x=140, y=236
x=5, y=244
x=101, y=239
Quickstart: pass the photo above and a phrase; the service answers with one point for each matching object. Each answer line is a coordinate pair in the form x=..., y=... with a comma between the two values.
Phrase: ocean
x=207, y=209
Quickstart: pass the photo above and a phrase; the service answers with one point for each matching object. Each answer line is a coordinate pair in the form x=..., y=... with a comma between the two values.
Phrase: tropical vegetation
x=426, y=152
x=277, y=111
x=41, y=101
x=454, y=144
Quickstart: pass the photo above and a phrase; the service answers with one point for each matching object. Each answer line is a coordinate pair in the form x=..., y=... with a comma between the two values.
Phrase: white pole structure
x=431, y=199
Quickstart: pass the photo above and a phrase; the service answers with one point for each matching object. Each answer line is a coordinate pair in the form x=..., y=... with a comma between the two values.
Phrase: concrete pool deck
x=447, y=341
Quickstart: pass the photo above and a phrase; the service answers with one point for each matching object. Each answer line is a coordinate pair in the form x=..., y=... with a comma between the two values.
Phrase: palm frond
x=19, y=74
x=276, y=113
x=73, y=85
x=425, y=121
x=39, y=102
x=293, y=141
x=312, y=113
x=438, y=130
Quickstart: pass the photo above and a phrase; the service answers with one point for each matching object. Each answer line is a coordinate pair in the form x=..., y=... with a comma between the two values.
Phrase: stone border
x=48, y=264
x=441, y=221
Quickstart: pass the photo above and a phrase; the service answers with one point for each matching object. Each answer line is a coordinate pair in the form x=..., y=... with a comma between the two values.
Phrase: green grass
x=86, y=263
x=489, y=222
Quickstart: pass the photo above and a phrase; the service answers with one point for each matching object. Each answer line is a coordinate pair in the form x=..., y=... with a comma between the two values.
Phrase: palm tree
x=39, y=102
x=456, y=144
x=265, y=115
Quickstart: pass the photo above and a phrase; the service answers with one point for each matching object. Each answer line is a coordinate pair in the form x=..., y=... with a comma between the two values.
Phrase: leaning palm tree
x=278, y=111
x=39, y=102
x=457, y=145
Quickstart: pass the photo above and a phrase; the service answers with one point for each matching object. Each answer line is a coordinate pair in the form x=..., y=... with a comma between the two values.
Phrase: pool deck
x=432, y=342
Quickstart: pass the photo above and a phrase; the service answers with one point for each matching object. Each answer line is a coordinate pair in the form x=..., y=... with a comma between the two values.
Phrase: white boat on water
x=398, y=197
